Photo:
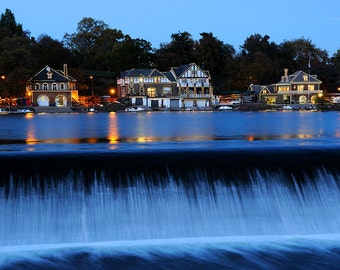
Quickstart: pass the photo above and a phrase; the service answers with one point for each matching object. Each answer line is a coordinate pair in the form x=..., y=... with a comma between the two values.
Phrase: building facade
x=51, y=87
x=187, y=86
x=297, y=88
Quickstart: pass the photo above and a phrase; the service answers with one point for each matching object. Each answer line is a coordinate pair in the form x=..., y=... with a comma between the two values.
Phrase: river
x=170, y=190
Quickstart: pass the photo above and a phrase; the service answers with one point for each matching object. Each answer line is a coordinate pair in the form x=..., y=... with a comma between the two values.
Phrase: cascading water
x=210, y=204
x=68, y=212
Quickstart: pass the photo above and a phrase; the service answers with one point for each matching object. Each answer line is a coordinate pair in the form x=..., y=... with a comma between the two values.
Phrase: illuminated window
x=151, y=91
x=305, y=78
x=311, y=87
x=283, y=88
x=300, y=87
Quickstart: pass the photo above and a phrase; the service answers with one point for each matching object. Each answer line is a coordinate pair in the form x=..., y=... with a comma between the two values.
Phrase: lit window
x=305, y=78
x=151, y=91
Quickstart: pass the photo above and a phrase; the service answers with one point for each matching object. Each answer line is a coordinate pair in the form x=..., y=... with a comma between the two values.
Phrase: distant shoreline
x=245, y=107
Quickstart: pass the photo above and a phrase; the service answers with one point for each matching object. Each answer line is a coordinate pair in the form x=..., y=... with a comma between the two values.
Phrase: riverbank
x=118, y=107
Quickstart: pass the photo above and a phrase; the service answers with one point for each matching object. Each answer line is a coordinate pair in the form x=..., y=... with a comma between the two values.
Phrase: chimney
x=286, y=75
x=65, y=70
x=286, y=72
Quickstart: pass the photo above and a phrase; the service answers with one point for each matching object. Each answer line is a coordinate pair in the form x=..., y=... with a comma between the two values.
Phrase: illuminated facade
x=186, y=86
x=298, y=88
x=51, y=87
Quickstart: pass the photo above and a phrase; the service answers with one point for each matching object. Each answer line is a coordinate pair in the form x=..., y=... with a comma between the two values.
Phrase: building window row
x=44, y=86
x=136, y=80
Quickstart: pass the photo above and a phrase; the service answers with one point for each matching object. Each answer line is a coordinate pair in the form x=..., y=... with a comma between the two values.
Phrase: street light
x=91, y=78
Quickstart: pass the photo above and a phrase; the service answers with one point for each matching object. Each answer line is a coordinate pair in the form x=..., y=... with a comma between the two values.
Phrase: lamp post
x=91, y=78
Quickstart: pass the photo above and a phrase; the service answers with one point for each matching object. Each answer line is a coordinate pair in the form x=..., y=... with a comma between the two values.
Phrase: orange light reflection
x=113, y=135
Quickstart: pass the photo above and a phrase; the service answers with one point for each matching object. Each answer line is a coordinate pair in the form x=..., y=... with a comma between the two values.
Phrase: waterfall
x=70, y=208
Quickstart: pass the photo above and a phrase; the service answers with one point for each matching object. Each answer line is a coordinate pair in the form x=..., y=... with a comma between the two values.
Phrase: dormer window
x=54, y=86
x=37, y=86
x=305, y=78
x=49, y=75
x=62, y=86
x=45, y=86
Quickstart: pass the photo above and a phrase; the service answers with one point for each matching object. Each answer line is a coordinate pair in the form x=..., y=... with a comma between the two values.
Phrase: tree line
x=102, y=52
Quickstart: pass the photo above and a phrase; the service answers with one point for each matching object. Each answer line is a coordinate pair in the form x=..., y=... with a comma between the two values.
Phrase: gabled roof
x=179, y=71
x=141, y=72
x=258, y=88
x=170, y=76
x=299, y=77
x=56, y=76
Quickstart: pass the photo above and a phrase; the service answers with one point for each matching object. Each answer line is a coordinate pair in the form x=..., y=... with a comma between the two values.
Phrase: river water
x=167, y=130
x=170, y=190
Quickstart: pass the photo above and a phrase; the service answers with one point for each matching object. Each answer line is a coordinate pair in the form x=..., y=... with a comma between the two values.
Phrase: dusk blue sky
x=231, y=21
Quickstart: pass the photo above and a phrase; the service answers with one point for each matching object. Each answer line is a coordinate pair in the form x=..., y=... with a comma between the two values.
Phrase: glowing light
x=113, y=135
x=250, y=138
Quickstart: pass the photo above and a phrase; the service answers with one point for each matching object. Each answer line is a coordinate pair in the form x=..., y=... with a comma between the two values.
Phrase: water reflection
x=31, y=138
x=113, y=130
x=113, y=134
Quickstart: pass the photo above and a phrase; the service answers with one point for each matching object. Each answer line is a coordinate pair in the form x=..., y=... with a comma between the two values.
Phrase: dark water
x=186, y=190
x=168, y=130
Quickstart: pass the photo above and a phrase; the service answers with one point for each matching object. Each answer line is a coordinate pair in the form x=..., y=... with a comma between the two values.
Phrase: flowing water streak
x=134, y=207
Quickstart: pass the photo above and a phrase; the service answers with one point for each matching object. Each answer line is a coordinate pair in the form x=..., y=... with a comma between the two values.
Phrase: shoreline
x=245, y=107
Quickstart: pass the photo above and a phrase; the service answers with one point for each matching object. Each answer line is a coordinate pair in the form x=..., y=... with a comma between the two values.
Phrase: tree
x=258, y=62
x=212, y=53
x=179, y=51
x=15, y=62
x=215, y=56
x=136, y=53
x=299, y=53
x=8, y=26
x=302, y=54
x=83, y=41
x=50, y=52
x=15, y=56
x=107, y=49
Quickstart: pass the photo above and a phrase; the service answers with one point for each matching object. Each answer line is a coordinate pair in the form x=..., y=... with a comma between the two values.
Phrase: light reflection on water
x=167, y=129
